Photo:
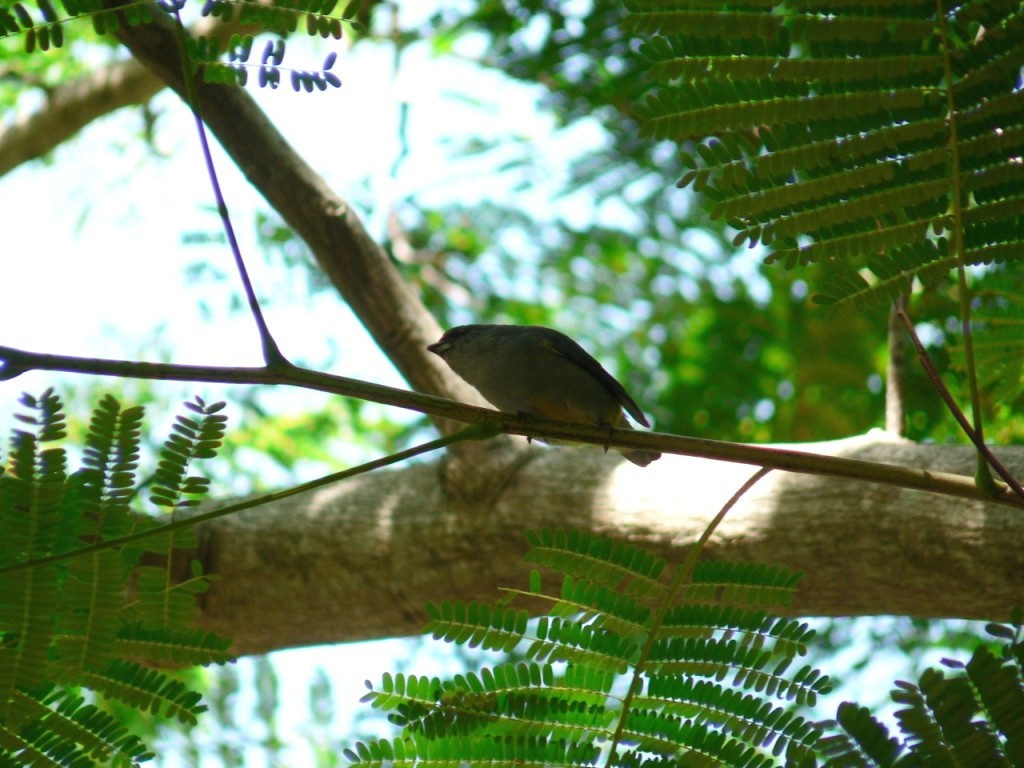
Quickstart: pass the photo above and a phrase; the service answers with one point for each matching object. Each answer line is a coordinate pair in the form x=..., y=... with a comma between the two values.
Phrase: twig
x=271, y=352
x=955, y=409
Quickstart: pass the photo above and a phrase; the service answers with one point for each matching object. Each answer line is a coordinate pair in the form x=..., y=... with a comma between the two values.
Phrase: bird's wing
x=577, y=355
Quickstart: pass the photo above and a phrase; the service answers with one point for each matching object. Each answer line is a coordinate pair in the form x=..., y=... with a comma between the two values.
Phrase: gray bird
x=536, y=371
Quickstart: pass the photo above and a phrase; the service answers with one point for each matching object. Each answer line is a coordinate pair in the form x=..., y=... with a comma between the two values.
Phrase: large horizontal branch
x=13, y=362
x=360, y=559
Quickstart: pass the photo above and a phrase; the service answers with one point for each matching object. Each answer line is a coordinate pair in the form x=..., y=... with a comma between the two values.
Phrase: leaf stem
x=681, y=579
x=480, y=430
x=272, y=355
x=982, y=475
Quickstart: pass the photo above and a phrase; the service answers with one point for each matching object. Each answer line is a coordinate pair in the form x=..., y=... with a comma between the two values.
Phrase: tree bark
x=359, y=560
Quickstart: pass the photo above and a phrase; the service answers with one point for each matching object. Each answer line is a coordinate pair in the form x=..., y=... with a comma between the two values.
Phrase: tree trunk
x=360, y=559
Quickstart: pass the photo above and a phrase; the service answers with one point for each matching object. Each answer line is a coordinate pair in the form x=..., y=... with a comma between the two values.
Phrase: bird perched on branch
x=537, y=371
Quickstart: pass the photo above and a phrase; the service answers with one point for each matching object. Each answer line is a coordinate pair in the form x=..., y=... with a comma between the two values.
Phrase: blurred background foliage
x=709, y=340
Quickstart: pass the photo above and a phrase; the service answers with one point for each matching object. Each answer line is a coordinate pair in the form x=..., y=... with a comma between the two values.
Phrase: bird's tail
x=639, y=457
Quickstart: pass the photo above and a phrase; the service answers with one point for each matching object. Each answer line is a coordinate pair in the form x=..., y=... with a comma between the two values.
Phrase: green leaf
x=844, y=129
x=71, y=623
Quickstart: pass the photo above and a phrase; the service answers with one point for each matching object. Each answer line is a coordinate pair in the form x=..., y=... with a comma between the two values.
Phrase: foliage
x=630, y=667
x=631, y=660
x=882, y=142
x=973, y=716
x=67, y=619
x=884, y=139
x=43, y=28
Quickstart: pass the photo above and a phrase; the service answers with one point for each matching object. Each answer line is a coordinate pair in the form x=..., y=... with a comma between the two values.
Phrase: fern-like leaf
x=998, y=686
x=102, y=490
x=166, y=646
x=65, y=621
x=863, y=741
x=847, y=133
x=749, y=717
x=973, y=716
x=568, y=640
x=599, y=560
x=476, y=624
x=191, y=440
x=32, y=525
x=788, y=637
x=623, y=657
x=43, y=27
x=509, y=751
x=64, y=718
x=747, y=584
x=999, y=336
x=146, y=689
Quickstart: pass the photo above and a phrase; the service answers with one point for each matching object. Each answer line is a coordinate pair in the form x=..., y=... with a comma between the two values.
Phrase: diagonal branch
x=358, y=267
x=272, y=356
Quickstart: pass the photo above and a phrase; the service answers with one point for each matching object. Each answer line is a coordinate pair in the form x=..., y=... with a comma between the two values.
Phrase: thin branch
x=478, y=431
x=271, y=352
x=983, y=476
x=361, y=271
x=14, y=362
x=958, y=414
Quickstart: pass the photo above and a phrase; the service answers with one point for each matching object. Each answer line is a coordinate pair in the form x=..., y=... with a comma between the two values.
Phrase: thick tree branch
x=360, y=559
x=72, y=106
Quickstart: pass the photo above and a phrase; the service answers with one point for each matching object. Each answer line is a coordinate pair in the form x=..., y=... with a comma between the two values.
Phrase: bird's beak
x=438, y=348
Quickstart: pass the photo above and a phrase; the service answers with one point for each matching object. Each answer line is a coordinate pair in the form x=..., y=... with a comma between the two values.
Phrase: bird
x=536, y=371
